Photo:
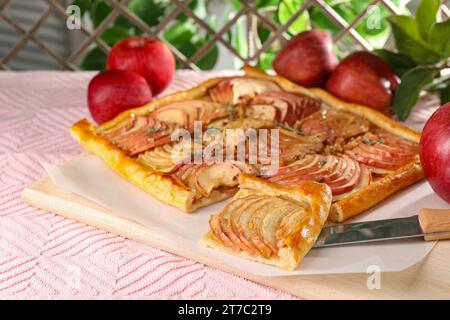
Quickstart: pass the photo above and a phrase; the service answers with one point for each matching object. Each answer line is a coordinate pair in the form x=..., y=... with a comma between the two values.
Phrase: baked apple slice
x=290, y=107
x=294, y=146
x=203, y=179
x=300, y=168
x=364, y=180
x=240, y=89
x=209, y=177
x=229, y=218
x=269, y=223
x=158, y=159
x=184, y=113
x=141, y=133
x=264, y=112
x=186, y=174
x=166, y=158
x=243, y=229
x=260, y=237
x=240, y=123
x=349, y=180
x=182, y=117
x=330, y=125
x=381, y=152
x=290, y=227
x=222, y=229
x=218, y=234
x=341, y=173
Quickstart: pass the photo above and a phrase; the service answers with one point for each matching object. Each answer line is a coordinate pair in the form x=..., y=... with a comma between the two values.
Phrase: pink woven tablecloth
x=45, y=255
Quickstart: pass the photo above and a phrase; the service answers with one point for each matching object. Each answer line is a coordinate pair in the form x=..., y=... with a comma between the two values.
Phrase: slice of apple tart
x=269, y=223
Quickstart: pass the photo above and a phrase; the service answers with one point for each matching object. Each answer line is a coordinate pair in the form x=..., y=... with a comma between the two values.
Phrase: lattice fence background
x=248, y=14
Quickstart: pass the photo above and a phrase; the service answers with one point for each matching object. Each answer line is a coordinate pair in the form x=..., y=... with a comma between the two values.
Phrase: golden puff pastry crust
x=303, y=210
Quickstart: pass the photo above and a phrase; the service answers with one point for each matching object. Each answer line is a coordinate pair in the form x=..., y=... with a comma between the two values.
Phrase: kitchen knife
x=431, y=224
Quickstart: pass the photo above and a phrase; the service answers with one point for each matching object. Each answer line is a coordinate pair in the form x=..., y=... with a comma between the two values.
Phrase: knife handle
x=433, y=221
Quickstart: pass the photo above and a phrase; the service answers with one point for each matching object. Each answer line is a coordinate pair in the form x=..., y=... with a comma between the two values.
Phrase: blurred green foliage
x=423, y=52
x=183, y=34
x=374, y=27
x=422, y=43
x=187, y=37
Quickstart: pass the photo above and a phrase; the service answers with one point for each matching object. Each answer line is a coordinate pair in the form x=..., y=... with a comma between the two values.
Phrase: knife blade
x=431, y=224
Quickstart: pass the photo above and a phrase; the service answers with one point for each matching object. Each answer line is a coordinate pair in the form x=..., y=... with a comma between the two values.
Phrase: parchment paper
x=90, y=177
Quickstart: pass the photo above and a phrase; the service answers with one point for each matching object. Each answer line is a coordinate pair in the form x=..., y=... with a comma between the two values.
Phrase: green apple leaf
x=198, y=7
x=151, y=12
x=410, y=87
x=426, y=16
x=408, y=40
x=99, y=11
x=115, y=34
x=184, y=36
x=94, y=60
x=209, y=60
x=266, y=60
x=266, y=3
x=263, y=34
x=440, y=37
x=257, y=4
x=286, y=9
x=399, y=62
x=237, y=5
x=320, y=21
x=180, y=33
x=84, y=5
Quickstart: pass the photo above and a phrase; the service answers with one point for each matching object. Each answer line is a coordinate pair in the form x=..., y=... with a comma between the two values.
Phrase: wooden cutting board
x=429, y=279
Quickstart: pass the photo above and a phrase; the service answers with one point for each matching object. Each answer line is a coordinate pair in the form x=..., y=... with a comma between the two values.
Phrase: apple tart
x=269, y=223
x=362, y=155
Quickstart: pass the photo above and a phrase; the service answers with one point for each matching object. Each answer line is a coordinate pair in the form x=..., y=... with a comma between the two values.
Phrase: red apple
x=113, y=91
x=146, y=56
x=435, y=151
x=365, y=79
x=307, y=59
